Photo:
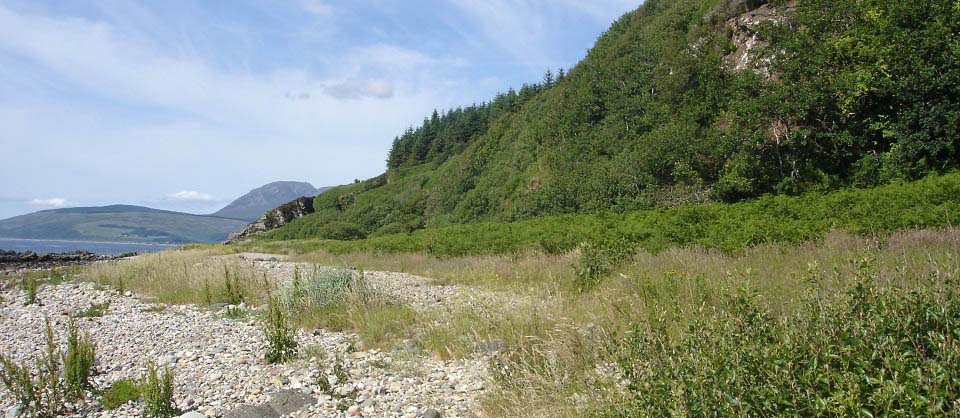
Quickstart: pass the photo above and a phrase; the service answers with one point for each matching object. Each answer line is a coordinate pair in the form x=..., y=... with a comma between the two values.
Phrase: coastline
x=90, y=242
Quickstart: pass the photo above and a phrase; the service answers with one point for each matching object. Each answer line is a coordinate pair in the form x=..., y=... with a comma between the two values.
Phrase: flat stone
x=192, y=414
x=289, y=401
x=430, y=413
x=250, y=411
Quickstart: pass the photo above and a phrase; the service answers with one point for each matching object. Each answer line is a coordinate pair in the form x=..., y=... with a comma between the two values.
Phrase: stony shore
x=13, y=261
x=218, y=361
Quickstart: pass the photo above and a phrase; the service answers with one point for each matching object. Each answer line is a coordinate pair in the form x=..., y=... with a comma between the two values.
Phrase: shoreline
x=92, y=242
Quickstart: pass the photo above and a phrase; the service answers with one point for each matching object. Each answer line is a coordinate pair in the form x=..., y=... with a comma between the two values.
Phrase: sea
x=57, y=246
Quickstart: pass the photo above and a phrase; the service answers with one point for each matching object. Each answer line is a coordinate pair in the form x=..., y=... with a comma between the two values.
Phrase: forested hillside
x=684, y=101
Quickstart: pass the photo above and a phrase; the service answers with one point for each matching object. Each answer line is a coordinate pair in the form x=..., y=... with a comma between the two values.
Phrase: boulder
x=250, y=411
x=288, y=401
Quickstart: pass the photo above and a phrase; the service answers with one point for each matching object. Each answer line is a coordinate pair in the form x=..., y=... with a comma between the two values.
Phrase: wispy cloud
x=317, y=7
x=52, y=202
x=150, y=97
x=190, y=196
x=357, y=89
x=526, y=28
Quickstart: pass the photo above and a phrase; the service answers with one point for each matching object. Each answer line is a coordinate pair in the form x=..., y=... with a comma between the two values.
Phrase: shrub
x=598, y=260
x=868, y=351
x=932, y=202
x=326, y=287
x=40, y=396
x=281, y=338
x=30, y=285
x=78, y=362
x=157, y=392
x=232, y=288
x=119, y=393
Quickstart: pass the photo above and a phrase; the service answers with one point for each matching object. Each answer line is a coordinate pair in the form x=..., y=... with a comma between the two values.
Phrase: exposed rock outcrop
x=743, y=29
x=275, y=218
x=13, y=261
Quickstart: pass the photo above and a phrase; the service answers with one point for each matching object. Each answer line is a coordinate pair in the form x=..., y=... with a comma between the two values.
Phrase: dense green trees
x=843, y=94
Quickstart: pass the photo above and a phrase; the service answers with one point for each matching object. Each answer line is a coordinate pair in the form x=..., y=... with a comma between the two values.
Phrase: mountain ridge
x=261, y=199
x=141, y=224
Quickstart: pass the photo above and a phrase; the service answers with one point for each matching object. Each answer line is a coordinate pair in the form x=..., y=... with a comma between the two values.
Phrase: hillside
x=683, y=101
x=253, y=204
x=120, y=223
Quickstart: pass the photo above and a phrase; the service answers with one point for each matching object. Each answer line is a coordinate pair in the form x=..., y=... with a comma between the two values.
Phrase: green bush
x=38, y=393
x=929, y=203
x=157, y=392
x=599, y=259
x=281, y=337
x=871, y=350
x=30, y=285
x=232, y=287
x=325, y=287
x=78, y=363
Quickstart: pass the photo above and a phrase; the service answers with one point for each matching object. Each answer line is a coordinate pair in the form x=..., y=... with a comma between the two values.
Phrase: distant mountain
x=121, y=223
x=253, y=204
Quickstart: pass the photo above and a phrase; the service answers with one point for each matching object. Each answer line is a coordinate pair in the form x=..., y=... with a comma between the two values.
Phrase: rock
x=13, y=412
x=430, y=413
x=275, y=218
x=250, y=411
x=13, y=261
x=289, y=401
x=192, y=414
x=354, y=411
x=344, y=390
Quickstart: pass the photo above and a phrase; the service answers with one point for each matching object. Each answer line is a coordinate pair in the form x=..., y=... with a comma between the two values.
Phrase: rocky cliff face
x=743, y=28
x=275, y=218
x=253, y=204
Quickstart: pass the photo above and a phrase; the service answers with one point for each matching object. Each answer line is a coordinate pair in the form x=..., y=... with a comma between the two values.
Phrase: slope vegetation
x=684, y=101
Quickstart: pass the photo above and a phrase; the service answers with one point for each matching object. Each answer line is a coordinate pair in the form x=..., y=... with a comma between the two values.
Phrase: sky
x=186, y=105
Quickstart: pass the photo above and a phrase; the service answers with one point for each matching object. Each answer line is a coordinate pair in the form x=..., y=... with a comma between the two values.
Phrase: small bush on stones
x=281, y=338
x=30, y=285
x=157, y=392
x=40, y=393
x=78, y=362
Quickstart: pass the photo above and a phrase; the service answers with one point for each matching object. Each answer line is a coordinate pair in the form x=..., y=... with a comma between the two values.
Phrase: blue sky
x=186, y=105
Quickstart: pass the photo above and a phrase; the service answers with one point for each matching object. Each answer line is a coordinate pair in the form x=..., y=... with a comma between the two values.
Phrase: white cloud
x=524, y=27
x=358, y=89
x=317, y=7
x=190, y=196
x=53, y=202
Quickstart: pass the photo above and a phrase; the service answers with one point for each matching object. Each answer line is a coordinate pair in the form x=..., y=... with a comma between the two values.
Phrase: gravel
x=218, y=361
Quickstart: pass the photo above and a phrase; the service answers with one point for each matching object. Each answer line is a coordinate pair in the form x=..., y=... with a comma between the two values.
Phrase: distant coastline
x=46, y=246
x=87, y=241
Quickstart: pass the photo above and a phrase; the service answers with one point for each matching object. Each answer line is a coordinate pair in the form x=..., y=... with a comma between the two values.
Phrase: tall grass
x=183, y=276
x=666, y=330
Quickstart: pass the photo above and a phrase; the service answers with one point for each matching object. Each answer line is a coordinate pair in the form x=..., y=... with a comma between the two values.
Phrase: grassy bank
x=933, y=202
x=685, y=331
